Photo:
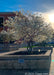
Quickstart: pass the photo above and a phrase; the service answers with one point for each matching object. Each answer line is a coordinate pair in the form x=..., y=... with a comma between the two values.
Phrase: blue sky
x=31, y=5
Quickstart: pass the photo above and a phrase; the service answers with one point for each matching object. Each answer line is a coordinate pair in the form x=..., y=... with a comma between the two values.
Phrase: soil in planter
x=29, y=53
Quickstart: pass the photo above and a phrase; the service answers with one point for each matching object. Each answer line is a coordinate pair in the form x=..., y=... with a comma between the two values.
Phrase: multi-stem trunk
x=29, y=45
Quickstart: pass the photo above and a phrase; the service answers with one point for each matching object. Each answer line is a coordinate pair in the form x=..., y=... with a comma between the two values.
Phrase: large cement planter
x=26, y=62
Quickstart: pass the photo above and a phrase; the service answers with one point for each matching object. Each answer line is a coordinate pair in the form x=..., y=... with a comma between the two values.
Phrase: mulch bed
x=29, y=53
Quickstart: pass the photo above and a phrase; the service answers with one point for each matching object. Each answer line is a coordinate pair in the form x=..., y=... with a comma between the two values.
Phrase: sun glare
x=51, y=18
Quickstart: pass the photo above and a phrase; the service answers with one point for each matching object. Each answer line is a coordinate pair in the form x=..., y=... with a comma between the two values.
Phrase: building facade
x=4, y=16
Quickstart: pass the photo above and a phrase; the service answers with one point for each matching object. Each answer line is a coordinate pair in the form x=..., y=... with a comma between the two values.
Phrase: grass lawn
x=48, y=45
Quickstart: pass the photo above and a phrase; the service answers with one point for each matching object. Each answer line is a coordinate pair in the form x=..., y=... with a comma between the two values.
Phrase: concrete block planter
x=26, y=62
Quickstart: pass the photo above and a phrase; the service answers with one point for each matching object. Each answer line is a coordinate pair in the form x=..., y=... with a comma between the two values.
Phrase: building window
x=12, y=17
x=1, y=21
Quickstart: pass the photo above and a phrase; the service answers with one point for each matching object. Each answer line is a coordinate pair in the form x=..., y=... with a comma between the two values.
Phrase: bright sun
x=51, y=18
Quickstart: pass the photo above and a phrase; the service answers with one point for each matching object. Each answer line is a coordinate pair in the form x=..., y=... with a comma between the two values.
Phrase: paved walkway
x=52, y=64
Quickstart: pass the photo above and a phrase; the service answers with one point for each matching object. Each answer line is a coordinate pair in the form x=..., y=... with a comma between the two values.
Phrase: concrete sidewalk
x=51, y=72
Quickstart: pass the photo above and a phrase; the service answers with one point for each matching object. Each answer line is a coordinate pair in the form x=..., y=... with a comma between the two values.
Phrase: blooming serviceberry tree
x=30, y=28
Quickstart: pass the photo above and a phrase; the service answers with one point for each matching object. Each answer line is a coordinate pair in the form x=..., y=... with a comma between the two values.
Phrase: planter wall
x=43, y=48
x=26, y=62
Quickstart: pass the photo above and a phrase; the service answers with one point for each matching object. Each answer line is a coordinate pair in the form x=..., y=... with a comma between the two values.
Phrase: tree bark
x=29, y=45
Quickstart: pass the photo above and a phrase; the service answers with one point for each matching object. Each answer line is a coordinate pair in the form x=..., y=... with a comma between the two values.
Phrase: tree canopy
x=29, y=27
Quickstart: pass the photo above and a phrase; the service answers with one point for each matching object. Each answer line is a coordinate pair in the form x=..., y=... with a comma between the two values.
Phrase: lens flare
x=51, y=18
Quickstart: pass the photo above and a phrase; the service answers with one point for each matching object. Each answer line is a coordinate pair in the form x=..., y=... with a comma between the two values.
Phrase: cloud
x=43, y=14
x=49, y=8
x=39, y=13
